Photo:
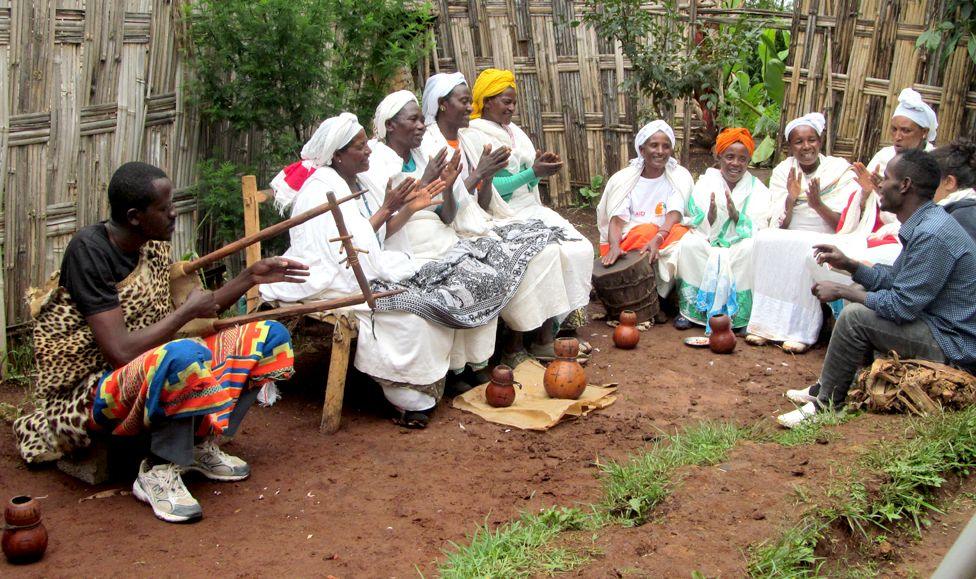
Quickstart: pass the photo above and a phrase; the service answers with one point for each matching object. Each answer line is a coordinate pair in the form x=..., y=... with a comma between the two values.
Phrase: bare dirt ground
x=379, y=501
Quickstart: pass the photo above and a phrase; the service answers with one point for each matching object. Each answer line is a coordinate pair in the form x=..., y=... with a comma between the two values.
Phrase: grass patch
x=791, y=554
x=20, y=360
x=907, y=473
x=632, y=489
x=524, y=548
x=810, y=431
x=532, y=545
x=893, y=485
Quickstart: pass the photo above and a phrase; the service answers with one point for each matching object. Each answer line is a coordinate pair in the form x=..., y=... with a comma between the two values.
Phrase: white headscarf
x=645, y=133
x=911, y=106
x=388, y=108
x=814, y=120
x=439, y=86
x=333, y=134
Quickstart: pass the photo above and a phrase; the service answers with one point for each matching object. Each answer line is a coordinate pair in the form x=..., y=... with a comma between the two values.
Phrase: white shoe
x=795, y=347
x=801, y=396
x=216, y=464
x=794, y=418
x=162, y=487
x=756, y=340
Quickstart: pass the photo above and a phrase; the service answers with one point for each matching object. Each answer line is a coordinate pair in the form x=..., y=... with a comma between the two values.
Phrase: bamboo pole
x=686, y=124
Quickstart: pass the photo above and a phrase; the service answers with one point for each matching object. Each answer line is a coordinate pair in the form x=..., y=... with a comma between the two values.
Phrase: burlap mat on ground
x=533, y=409
x=915, y=386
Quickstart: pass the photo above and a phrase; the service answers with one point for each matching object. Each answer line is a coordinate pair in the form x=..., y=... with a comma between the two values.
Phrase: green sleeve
x=695, y=214
x=506, y=183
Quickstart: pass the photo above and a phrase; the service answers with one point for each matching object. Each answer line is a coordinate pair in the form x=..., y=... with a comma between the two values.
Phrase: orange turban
x=490, y=82
x=734, y=135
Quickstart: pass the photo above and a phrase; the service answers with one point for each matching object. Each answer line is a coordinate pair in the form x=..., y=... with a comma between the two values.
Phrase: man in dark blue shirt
x=922, y=306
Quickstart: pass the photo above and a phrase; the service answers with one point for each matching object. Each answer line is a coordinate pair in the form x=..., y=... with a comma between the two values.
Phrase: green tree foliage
x=734, y=70
x=754, y=95
x=280, y=67
x=956, y=24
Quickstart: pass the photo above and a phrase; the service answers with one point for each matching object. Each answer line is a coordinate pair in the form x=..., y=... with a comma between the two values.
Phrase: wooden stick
x=265, y=233
x=298, y=310
x=352, y=259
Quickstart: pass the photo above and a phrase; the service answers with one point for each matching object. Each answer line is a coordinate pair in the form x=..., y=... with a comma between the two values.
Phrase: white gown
x=577, y=256
x=394, y=346
x=426, y=238
x=543, y=292
x=715, y=260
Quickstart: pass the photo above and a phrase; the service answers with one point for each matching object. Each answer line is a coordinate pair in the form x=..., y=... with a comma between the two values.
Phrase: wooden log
x=212, y=326
x=352, y=258
x=252, y=222
x=335, y=386
x=188, y=267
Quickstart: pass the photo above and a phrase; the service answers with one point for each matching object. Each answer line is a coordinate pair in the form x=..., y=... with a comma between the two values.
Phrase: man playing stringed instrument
x=107, y=361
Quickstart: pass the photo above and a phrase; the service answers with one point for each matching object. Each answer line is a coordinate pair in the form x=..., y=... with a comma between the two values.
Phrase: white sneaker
x=216, y=464
x=162, y=487
x=794, y=418
x=801, y=396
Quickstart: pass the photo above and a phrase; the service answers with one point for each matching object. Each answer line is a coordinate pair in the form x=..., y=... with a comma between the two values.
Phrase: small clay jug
x=565, y=377
x=500, y=392
x=626, y=335
x=24, y=535
x=722, y=340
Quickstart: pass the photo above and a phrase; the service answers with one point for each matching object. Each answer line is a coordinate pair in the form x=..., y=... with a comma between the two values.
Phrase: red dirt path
x=376, y=500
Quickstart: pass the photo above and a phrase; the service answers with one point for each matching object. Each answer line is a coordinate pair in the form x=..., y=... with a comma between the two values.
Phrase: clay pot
x=722, y=340
x=626, y=335
x=500, y=392
x=24, y=536
x=564, y=377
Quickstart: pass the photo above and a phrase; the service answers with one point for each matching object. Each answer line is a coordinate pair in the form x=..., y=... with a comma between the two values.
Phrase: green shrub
x=274, y=69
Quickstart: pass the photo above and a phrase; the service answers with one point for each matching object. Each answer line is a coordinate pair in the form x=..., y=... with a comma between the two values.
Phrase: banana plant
x=755, y=100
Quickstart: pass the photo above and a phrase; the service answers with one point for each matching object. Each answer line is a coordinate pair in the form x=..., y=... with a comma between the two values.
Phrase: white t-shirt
x=649, y=202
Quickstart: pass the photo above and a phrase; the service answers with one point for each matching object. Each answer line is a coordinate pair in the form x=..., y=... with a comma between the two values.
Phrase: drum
x=628, y=284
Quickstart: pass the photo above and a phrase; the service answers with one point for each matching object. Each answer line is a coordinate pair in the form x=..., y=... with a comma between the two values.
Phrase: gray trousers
x=174, y=440
x=858, y=334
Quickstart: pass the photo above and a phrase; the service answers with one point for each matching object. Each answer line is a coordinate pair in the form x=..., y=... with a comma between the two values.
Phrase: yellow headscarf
x=491, y=82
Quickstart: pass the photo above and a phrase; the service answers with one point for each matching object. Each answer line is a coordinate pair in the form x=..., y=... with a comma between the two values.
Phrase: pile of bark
x=913, y=386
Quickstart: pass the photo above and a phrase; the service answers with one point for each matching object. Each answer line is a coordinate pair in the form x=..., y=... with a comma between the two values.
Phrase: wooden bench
x=344, y=329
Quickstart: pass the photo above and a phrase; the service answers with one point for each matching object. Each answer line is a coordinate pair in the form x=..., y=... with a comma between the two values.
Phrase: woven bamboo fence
x=568, y=77
x=88, y=85
x=91, y=84
x=850, y=60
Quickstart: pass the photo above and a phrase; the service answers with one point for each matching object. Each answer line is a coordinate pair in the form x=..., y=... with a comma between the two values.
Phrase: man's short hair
x=922, y=169
x=131, y=187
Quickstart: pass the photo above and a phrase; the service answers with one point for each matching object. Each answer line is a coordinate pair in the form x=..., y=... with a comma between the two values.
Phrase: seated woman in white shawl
x=447, y=112
x=809, y=191
x=516, y=188
x=427, y=235
x=548, y=289
x=727, y=207
x=643, y=204
x=406, y=354
x=913, y=125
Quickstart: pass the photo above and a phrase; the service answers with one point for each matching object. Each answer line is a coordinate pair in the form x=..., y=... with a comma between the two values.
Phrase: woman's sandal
x=514, y=359
x=412, y=419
